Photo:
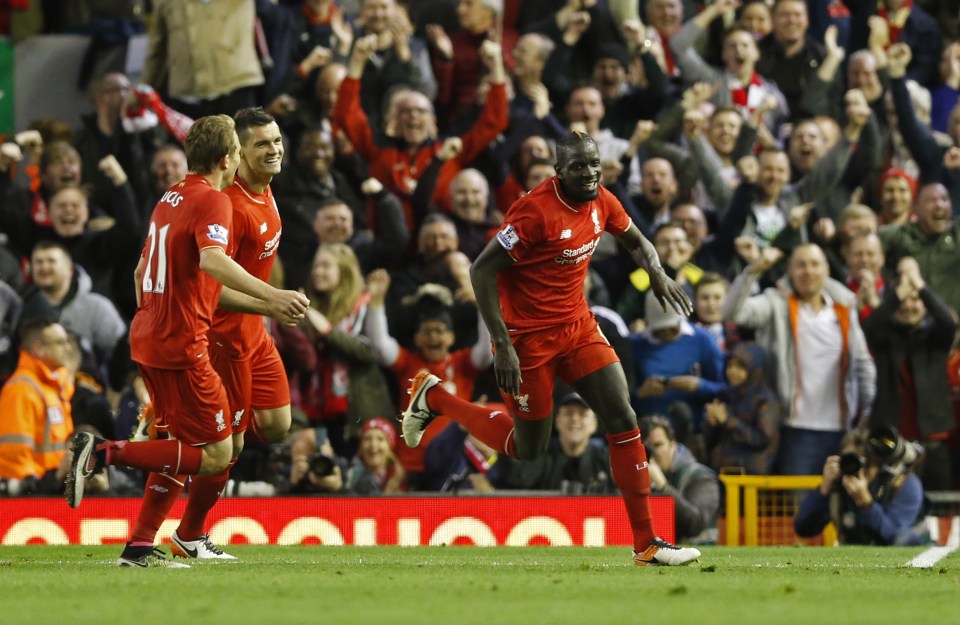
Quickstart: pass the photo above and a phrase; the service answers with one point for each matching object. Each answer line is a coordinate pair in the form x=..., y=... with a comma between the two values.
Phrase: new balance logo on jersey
x=494, y=413
x=221, y=424
x=159, y=489
x=524, y=401
x=236, y=418
x=217, y=233
x=263, y=227
x=566, y=234
x=596, y=222
x=271, y=246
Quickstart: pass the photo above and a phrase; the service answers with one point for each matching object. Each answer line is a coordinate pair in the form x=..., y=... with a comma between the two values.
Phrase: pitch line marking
x=930, y=557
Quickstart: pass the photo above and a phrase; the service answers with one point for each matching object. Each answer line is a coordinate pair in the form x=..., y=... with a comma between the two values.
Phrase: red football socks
x=158, y=498
x=166, y=456
x=493, y=427
x=204, y=492
x=628, y=464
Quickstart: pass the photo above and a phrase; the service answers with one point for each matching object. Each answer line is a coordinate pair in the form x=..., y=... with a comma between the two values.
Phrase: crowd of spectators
x=796, y=164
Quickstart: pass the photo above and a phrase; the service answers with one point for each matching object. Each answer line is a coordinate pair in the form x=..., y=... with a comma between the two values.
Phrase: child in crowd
x=743, y=423
x=433, y=339
x=375, y=470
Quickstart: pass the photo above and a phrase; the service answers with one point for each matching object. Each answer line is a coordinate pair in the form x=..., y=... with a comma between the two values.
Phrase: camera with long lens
x=321, y=465
x=896, y=453
x=885, y=444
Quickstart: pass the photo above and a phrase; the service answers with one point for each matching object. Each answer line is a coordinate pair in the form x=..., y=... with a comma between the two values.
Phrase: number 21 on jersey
x=156, y=282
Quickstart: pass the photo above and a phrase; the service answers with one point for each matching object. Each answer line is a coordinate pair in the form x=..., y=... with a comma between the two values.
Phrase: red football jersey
x=254, y=239
x=169, y=330
x=458, y=375
x=552, y=239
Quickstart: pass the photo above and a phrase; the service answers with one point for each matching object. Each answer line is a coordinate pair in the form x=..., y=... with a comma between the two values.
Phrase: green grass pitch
x=318, y=585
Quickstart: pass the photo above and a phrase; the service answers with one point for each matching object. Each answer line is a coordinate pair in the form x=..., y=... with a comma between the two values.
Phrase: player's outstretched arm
x=483, y=275
x=668, y=292
x=287, y=307
x=236, y=301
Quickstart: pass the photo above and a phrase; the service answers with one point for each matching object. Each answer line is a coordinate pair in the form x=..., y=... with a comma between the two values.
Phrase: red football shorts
x=258, y=382
x=191, y=404
x=572, y=352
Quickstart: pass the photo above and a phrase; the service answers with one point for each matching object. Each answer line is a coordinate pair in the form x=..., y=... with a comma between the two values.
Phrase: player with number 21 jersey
x=169, y=330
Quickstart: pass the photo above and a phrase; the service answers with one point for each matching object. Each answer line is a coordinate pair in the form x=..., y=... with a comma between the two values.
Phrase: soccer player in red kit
x=183, y=272
x=529, y=287
x=241, y=351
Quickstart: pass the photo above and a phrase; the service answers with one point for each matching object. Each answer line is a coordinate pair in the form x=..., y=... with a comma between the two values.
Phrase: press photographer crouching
x=314, y=467
x=869, y=491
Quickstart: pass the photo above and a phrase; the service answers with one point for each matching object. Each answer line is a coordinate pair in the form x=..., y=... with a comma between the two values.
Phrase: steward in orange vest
x=35, y=414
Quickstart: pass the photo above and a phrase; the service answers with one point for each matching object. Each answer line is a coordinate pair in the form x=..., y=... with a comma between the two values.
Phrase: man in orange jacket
x=35, y=415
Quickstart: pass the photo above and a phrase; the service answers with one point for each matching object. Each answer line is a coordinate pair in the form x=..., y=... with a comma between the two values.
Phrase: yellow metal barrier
x=746, y=488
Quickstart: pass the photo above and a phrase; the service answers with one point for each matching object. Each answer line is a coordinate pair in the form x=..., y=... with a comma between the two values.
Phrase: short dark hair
x=331, y=201
x=49, y=244
x=251, y=117
x=53, y=152
x=429, y=309
x=32, y=327
x=651, y=422
x=709, y=278
x=571, y=142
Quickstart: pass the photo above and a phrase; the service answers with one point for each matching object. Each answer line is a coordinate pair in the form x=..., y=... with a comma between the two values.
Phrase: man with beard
x=529, y=287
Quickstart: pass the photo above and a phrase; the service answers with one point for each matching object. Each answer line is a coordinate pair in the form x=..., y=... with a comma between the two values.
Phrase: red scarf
x=854, y=286
x=898, y=20
x=39, y=212
x=314, y=19
x=668, y=54
x=741, y=94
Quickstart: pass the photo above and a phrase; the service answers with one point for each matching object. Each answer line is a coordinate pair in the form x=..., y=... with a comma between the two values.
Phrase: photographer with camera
x=869, y=491
x=314, y=468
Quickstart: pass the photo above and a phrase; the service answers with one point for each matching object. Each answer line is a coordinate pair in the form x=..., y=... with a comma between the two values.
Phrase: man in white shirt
x=825, y=374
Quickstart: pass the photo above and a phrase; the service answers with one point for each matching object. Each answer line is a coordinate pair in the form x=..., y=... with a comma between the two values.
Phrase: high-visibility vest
x=36, y=420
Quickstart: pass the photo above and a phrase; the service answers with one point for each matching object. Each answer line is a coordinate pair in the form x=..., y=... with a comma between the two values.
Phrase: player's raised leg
x=428, y=399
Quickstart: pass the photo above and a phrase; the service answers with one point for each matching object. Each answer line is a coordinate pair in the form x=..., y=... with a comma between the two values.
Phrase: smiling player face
x=262, y=153
x=578, y=169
